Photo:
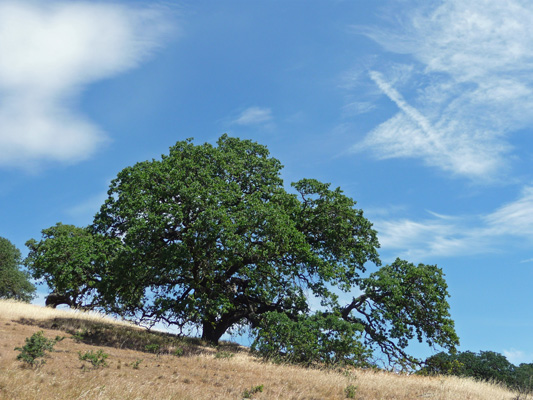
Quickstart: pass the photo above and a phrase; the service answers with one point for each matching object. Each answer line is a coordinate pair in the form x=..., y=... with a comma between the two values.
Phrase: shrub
x=153, y=348
x=248, y=393
x=350, y=391
x=80, y=336
x=224, y=354
x=97, y=359
x=178, y=352
x=35, y=349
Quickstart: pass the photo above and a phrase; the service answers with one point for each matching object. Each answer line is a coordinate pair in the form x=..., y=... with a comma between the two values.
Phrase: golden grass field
x=200, y=373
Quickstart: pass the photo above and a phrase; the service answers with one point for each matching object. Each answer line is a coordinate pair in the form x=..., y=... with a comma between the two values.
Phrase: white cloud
x=430, y=237
x=516, y=357
x=254, y=116
x=84, y=212
x=452, y=236
x=515, y=218
x=474, y=83
x=48, y=52
x=411, y=134
x=357, y=107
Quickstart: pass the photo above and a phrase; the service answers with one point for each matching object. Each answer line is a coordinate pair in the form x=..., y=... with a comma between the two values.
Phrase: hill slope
x=184, y=369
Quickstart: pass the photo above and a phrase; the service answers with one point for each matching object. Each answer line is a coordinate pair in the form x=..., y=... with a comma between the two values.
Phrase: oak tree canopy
x=209, y=236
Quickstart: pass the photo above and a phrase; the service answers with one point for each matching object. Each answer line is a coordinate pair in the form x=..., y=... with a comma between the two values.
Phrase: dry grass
x=198, y=375
x=17, y=310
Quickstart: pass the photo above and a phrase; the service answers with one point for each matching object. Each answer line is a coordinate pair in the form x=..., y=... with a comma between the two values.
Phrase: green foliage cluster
x=14, y=282
x=178, y=352
x=324, y=339
x=34, y=351
x=350, y=391
x=65, y=260
x=154, y=348
x=248, y=393
x=221, y=354
x=485, y=365
x=96, y=358
x=209, y=237
x=80, y=336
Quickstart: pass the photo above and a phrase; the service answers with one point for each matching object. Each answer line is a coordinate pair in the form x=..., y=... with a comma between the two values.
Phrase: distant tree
x=485, y=365
x=441, y=364
x=14, y=282
x=65, y=259
x=524, y=377
x=209, y=236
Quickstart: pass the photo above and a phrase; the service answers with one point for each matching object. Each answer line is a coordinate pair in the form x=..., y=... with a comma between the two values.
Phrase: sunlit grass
x=10, y=309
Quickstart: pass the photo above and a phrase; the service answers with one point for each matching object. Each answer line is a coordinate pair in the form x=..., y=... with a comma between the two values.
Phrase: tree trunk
x=211, y=332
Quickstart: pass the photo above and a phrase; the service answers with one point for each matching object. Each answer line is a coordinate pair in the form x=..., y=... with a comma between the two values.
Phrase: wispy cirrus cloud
x=431, y=237
x=254, y=116
x=83, y=212
x=517, y=357
x=471, y=64
x=49, y=51
x=451, y=236
x=358, y=107
x=515, y=218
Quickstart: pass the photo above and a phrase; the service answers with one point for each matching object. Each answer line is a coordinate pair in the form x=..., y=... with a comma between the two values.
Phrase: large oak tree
x=210, y=236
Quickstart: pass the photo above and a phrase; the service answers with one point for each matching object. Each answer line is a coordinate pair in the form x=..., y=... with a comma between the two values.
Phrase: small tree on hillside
x=65, y=259
x=14, y=282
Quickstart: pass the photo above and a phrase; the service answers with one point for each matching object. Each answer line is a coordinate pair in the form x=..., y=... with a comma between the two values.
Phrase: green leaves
x=208, y=237
x=413, y=301
x=14, y=282
x=34, y=351
x=485, y=365
x=70, y=260
x=401, y=302
x=340, y=239
x=206, y=229
x=96, y=358
x=320, y=338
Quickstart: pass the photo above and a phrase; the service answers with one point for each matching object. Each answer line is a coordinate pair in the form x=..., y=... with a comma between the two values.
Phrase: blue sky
x=419, y=110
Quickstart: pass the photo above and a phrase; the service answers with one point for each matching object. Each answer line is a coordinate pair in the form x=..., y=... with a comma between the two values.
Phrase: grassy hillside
x=145, y=365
